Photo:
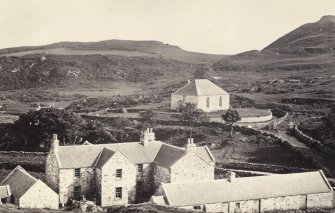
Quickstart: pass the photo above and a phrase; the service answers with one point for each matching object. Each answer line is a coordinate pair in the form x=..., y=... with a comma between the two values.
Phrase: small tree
x=190, y=114
x=231, y=117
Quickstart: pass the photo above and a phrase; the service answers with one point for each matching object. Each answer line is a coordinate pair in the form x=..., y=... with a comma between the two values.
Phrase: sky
x=208, y=26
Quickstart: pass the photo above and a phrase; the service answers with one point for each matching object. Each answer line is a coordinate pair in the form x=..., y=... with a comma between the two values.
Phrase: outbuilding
x=250, y=194
x=29, y=192
x=203, y=93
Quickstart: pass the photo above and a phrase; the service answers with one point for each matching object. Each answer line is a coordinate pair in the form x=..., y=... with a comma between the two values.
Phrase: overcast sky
x=210, y=26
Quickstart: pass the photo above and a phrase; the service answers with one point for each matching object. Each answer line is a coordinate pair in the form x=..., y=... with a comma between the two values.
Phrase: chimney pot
x=231, y=176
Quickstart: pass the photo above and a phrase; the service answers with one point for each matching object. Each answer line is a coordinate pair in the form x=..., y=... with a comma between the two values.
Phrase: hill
x=65, y=70
x=308, y=47
x=318, y=37
x=130, y=48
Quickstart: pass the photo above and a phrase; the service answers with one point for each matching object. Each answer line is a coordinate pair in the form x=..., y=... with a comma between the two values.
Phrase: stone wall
x=67, y=182
x=39, y=196
x=109, y=181
x=322, y=200
x=161, y=175
x=250, y=206
x=191, y=168
x=52, y=171
x=282, y=117
x=283, y=203
x=311, y=141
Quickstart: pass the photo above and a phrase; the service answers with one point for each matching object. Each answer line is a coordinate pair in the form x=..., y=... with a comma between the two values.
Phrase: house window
x=220, y=101
x=140, y=168
x=139, y=186
x=77, y=172
x=207, y=102
x=76, y=192
x=118, y=192
x=119, y=173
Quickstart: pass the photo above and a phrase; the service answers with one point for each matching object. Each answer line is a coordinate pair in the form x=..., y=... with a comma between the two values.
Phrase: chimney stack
x=147, y=136
x=190, y=146
x=231, y=176
x=54, y=143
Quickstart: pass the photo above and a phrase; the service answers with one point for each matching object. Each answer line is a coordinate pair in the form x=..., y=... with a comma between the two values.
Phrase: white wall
x=214, y=103
x=188, y=99
x=39, y=196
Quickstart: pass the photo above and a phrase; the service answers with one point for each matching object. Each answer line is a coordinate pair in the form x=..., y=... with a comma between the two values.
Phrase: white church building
x=203, y=93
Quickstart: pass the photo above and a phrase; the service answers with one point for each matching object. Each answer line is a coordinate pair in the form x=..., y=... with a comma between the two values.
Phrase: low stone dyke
x=309, y=140
x=282, y=116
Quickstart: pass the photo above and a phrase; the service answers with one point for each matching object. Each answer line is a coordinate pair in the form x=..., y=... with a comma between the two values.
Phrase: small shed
x=29, y=192
x=5, y=193
x=203, y=93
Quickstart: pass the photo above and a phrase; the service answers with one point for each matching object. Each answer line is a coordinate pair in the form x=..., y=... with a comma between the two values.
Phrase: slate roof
x=200, y=87
x=19, y=181
x=5, y=191
x=168, y=155
x=96, y=155
x=247, y=188
x=103, y=157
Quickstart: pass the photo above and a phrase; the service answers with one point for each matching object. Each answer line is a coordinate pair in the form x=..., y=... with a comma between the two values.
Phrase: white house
x=250, y=194
x=29, y=192
x=203, y=93
x=123, y=173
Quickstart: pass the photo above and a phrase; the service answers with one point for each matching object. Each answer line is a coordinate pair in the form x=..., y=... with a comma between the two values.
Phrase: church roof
x=246, y=188
x=200, y=87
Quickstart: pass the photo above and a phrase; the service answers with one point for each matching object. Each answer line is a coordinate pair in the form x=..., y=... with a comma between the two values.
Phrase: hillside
x=60, y=70
x=318, y=37
x=308, y=47
x=154, y=49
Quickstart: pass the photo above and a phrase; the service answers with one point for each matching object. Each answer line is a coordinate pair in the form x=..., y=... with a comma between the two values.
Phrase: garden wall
x=282, y=117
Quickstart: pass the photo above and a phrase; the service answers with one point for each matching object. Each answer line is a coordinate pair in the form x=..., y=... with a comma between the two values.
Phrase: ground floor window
x=118, y=192
x=139, y=186
x=76, y=192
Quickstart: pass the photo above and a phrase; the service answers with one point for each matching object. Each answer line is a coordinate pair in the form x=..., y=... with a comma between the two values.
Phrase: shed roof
x=200, y=87
x=247, y=188
x=5, y=191
x=19, y=181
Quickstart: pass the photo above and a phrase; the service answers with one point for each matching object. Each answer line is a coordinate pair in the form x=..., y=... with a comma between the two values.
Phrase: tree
x=33, y=130
x=231, y=117
x=192, y=115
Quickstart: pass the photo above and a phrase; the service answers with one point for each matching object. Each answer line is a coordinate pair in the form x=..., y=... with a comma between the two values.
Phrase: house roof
x=19, y=181
x=247, y=188
x=200, y=87
x=86, y=156
x=97, y=155
x=104, y=156
x=5, y=191
x=168, y=155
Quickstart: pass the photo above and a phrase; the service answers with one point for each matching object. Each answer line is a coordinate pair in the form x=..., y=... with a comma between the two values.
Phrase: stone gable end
x=191, y=168
x=39, y=196
x=109, y=181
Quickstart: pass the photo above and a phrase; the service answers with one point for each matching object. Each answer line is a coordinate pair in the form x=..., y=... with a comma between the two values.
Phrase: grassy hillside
x=115, y=47
x=37, y=70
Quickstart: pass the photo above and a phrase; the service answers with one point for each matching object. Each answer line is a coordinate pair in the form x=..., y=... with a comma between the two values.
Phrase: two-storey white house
x=122, y=173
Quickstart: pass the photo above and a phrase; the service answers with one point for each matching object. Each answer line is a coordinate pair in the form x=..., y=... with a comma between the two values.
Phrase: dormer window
x=140, y=168
x=77, y=172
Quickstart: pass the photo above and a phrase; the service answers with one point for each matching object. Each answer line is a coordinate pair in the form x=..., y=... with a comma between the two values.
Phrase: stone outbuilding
x=203, y=93
x=123, y=173
x=29, y=192
x=250, y=194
